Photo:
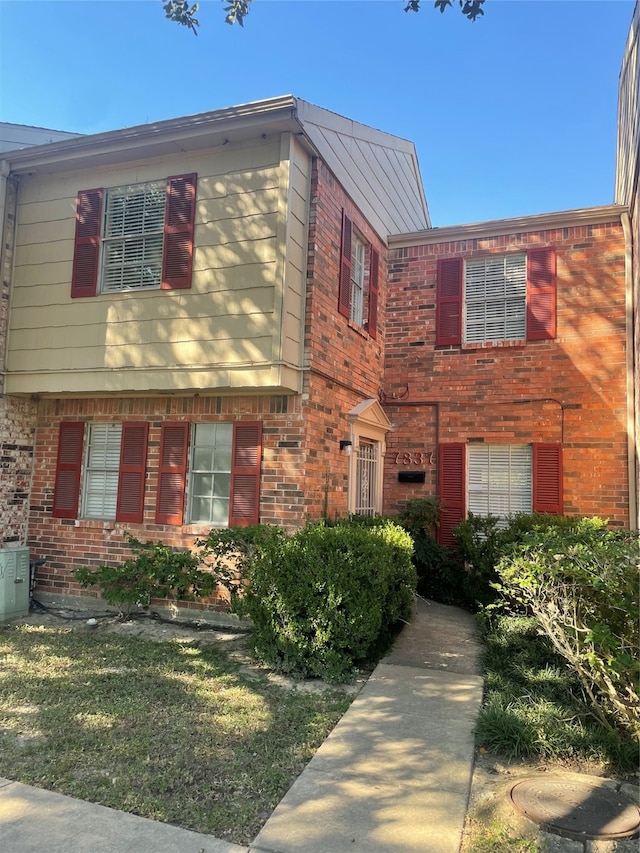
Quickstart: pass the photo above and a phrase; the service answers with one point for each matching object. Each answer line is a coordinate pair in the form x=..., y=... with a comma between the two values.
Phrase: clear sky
x=512, y=115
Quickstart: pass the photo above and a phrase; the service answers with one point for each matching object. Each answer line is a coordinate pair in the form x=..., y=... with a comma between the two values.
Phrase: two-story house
x=246, y=315
x=194, y=327
x=509, y=367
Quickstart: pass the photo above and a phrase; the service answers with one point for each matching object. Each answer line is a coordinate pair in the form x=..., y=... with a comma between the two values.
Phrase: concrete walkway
x=393, y=776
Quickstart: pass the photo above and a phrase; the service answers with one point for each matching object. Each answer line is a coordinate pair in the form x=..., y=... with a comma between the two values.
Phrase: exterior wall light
x=346, y=445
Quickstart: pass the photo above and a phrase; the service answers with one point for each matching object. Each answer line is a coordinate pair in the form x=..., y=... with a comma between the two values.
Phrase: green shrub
x=324, y=599
x=439, y=571
x=156, y=571
x=581, y=583
x=481, y=542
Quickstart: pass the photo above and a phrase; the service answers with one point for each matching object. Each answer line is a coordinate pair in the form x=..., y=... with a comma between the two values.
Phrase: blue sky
x=512, y=115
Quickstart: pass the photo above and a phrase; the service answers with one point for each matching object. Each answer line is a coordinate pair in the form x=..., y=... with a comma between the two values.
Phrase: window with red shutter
x=500, y=298
x=541, y=294
x=449, y=302
x=245, y=474
x=86, y=255
x=344, y=286
x=172, y=473
x=372, y=322
x=357, y=291
x=178, y=232
x=451, y=490
x=131, y=480
x=547, y=478
x=135, y=236
x=68, y=467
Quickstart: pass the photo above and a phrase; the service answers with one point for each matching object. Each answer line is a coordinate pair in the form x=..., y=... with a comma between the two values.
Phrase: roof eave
x=211, y=128
x=513, y=225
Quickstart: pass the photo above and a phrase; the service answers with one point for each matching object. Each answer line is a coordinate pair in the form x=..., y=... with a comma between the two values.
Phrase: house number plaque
x=413, y=457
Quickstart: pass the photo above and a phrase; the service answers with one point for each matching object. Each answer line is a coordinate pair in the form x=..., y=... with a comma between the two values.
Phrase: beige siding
x=234, y=328
x=296, y=254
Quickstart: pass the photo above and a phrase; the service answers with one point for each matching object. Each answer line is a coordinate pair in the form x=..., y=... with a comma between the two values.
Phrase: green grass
x=168, y=730
x=496, y=837
x=533, y=707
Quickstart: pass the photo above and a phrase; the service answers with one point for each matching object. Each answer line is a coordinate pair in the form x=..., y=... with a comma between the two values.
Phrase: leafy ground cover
x=174, y=731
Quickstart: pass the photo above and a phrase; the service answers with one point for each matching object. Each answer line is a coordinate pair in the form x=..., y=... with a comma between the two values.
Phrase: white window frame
x=499, y=480
x=132, y=241
x=495, y=298
x=101, y=470
x=198, y=472
x=358, y=267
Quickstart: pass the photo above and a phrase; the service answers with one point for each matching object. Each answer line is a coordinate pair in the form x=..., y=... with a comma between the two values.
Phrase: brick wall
x=69, y=544
x=345, y=363
x=17, y=435
x=569, y=390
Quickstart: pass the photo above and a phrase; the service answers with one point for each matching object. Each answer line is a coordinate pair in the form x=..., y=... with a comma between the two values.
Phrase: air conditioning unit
x=14, y=583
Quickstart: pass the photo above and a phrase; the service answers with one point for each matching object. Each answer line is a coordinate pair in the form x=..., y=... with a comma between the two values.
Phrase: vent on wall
x=14, y=583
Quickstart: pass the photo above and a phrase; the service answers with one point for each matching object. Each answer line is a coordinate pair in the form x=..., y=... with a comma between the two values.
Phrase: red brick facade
x=569, y=390
x=345, y=362
x=69, y=544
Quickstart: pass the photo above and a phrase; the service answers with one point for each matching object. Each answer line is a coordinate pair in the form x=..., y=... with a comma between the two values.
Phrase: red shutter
x=451, y=490
x=541, y=294
x=449, y=302
x=245, y=474
x=172, y=473
x=68, y=467
x=133, y=458
x=372, y=323
x=86, y=255
x=547, y=478
x=177, y=257
x=344, y=287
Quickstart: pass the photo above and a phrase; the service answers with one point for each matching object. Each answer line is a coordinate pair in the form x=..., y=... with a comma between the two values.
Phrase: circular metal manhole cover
x=576, y=808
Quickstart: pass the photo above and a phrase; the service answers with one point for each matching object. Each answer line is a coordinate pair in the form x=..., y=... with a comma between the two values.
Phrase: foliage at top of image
x=184, y=13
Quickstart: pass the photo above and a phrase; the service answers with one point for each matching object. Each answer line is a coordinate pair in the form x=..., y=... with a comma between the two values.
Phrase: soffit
x=208, y=130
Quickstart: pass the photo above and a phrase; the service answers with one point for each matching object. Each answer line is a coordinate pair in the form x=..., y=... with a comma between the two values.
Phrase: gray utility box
x=14, y=583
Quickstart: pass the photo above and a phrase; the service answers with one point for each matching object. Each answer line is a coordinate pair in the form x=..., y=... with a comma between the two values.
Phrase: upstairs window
x=134, y=237
x=358, y=280
x=497, y=298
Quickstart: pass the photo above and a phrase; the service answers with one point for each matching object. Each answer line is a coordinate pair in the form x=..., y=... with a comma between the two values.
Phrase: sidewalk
x=393, y=776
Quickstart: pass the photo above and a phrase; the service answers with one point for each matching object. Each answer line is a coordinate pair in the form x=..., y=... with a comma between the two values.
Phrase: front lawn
x=173, y=731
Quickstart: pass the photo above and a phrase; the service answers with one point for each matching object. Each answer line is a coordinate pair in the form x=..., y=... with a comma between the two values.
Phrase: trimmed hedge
x=322, y=600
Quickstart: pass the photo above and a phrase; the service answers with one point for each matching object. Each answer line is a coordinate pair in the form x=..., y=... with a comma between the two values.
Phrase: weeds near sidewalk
x=168, y=730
